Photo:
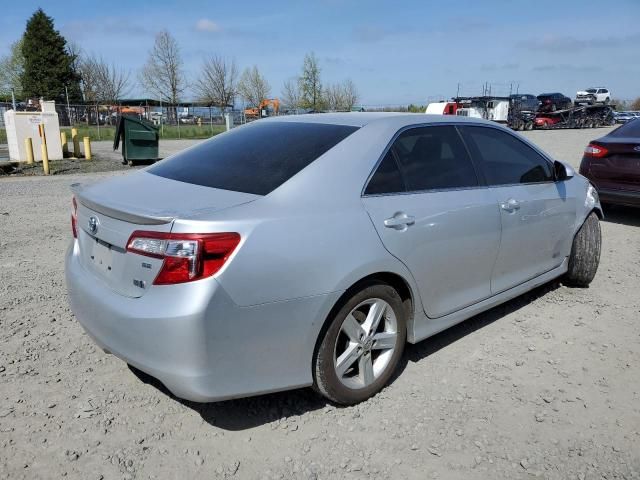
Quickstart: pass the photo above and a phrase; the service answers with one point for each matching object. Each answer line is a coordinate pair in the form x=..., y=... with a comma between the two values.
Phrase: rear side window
x=387, y=178
x=254, y=159
x=506, y=160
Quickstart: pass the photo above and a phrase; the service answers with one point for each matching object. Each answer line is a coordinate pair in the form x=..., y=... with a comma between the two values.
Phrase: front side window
x=505, y=159
x=428, y=158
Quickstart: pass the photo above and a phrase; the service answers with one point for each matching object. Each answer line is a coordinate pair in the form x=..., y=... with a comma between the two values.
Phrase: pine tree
x=48, y=66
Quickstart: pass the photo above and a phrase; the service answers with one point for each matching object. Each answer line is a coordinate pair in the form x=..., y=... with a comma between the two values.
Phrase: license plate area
x=101, y=256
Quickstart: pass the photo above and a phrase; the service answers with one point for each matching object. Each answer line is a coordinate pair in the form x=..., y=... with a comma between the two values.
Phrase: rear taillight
x=187, y=256
x=595, y=151
x=74, y=218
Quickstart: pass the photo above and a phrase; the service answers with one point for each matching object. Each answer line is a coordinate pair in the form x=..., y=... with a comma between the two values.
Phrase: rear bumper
x=620, y=197
x=196, y=340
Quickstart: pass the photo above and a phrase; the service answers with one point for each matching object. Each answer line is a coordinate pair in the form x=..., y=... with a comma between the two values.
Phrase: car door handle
x=510, y=205
x=399, y=221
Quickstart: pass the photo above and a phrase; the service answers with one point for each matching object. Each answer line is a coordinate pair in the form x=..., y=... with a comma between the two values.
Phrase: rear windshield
x=629, y=129
x=254, y=159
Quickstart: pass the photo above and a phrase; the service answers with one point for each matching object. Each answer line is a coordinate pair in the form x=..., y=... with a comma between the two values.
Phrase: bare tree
x=341, y=96
x=75, y=52
x=102, y=82
x=333, y=96
x=217, y=84
x=163, y=74
x=253, y=87
x=89, y=81
x=350, y=94
x=291, y=94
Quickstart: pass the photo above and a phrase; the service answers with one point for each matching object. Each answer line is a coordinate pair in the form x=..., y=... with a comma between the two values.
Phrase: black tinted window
x=253, y=159
x=387, y=178
x=505, y=159
x=434, y=158
x=629, y=129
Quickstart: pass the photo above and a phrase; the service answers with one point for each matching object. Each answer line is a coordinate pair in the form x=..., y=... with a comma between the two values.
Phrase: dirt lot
x=545, y=386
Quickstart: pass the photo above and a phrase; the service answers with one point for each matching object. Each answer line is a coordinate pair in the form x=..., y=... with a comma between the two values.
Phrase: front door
x=536, y=211
x=433, y=214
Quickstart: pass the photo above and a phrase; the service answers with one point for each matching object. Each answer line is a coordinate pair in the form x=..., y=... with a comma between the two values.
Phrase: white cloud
x=206, y=25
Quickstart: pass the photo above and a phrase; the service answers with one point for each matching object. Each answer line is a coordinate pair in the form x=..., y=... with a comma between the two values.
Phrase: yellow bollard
x=76, y=142
x=43, y=149
x=63, y=141
x=45, y=158
x=87, y=148
x=28, y=146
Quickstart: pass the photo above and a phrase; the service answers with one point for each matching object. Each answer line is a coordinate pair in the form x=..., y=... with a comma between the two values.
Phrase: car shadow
x=246, y=413
x=622, y=215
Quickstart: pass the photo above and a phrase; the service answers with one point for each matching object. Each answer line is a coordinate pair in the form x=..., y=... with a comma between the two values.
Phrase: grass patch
x=168, y=132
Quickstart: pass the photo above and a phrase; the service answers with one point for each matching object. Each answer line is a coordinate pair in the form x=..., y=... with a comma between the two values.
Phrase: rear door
x=537, y=213
x=432, y=212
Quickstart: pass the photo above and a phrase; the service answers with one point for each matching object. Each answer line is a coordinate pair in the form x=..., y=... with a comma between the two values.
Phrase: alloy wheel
x=365, y=344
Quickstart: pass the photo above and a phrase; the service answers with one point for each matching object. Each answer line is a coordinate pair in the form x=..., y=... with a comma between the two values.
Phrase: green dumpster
x=139, y=139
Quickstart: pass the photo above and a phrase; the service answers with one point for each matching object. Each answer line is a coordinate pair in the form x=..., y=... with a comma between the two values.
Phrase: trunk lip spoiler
x=116, y=213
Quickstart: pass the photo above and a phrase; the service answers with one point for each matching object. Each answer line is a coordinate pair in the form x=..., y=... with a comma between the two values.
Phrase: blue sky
x=395, y=52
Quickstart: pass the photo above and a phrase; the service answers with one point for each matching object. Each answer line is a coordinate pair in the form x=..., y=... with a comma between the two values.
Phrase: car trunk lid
x=620, y=168
x=109, y=212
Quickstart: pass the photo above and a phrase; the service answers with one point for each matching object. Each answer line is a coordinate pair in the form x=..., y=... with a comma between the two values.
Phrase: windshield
x=255, y=158
x=590, y=90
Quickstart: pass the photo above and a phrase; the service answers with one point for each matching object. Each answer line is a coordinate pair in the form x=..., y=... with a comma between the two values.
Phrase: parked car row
x=624, y=117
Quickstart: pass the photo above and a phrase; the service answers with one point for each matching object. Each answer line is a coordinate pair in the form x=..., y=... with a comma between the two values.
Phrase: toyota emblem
x=93, y=225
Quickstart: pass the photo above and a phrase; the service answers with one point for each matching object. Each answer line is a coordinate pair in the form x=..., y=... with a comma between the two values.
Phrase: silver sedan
x=307, y=250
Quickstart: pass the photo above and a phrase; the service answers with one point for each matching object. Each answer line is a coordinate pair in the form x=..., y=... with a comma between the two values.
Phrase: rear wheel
x=585, y=253
x=362, y=345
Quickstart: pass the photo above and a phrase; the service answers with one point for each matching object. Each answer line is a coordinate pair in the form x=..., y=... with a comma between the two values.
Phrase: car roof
x=360, y=119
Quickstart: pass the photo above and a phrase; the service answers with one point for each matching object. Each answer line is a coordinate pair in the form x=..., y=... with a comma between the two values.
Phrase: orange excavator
x=267, y=108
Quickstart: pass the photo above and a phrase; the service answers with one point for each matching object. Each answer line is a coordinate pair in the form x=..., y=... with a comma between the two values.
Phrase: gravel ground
x=545, y=386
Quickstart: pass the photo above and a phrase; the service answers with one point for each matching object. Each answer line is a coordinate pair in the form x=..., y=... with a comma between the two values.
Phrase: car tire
x=338, y=381
x=585, y=253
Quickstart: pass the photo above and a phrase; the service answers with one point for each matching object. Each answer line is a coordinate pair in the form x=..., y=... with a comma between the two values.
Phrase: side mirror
x=562, y=172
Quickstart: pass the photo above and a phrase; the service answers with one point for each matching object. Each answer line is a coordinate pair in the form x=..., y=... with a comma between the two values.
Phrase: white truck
x=592, y=96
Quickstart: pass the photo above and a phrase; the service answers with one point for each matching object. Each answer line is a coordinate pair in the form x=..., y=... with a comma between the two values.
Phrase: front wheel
x=362, y=345
x=585, y=253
